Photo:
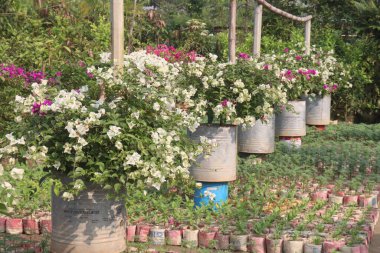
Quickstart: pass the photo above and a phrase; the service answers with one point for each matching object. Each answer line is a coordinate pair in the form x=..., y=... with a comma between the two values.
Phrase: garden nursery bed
x=320, y=197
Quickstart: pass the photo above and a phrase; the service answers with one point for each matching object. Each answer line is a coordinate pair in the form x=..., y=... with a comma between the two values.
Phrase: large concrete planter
x=89, y=223
x=290, y=123
x=318, y=109
x=220, y=166
x=258, y=139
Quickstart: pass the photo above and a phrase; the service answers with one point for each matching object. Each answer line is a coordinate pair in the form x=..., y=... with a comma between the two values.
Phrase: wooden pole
x=232, y=33
x=257, y=30
x=307, y=36
x=117, y=26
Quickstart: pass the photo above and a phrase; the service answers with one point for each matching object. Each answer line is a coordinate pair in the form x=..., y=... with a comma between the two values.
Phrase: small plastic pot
x=256, y=244
x=239, y=242
x=274, y=245
x=293, y=246
x=205, y=239
x=330, y=246
x=350, y=200
x=45, y=226
x=312, y=248
x=157, y=236
x=142, y=232
x=30, y=226
x=14, y=226
x=174, y=237
x=222, y=241
x=131, y=233
x=190, y=238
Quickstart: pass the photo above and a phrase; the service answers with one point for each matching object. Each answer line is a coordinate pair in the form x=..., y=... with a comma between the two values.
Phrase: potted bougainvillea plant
x=93, y=147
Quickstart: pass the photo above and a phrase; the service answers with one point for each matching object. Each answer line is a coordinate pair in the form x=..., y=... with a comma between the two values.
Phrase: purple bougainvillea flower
x=325, y=86
x=59, y=73
x=335, y=86
x=286, y=50
x=47, y=102
x=36, y=108
x=298, y=58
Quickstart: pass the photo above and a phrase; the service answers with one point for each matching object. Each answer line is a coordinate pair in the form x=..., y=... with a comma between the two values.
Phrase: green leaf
x=67, y=49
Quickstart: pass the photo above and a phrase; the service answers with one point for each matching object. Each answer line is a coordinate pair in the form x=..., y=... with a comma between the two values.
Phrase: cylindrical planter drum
x=258, y=139
x=239, y=242
x=312, y=248
x=293, y=246
x=14, y=226
x=217, y=193
x=88, y=223
x=350, y=249
x=318, y=110
x=220, y=166
x=142, y=233
x=330, y=246
x=350, y=200
x=157, y=236
x=290, y=123
x=190, y=238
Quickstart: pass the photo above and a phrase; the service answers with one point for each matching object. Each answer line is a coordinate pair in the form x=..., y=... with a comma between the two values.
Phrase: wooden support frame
x=258, y=25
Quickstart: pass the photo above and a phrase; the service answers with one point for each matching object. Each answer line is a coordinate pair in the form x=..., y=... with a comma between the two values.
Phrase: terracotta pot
x=14, y=226
x=239, y=242
x=312, y=248
x=45, y=226
x=131, y=233
x=293, y=246
x=3, y=220
x=157, y=236
x=330, y=246
x=336, y=199
x=274, y=245
x=222, y=241
x=174, y=237
x=190, y=238
x=205, y=239
x=142, y=232
x=350, y=200
x=353, y=249
x=256, y=244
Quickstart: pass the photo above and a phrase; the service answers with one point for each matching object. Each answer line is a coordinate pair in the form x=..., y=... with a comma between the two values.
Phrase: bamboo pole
x=307, y=36
x=257, y=30
x=117, y=26
x=283, y=13
x=232, y=33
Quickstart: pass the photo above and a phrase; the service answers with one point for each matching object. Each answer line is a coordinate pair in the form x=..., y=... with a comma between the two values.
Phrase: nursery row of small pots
x=15, y=226
x=289, y=125
x=212, y=238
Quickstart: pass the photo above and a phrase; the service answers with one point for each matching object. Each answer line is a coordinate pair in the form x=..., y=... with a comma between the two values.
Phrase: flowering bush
x=133, y=136
x=233, y=93
x=171, y=54
x=317, y=74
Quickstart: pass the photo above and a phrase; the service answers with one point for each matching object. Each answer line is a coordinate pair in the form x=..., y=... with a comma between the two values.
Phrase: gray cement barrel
x=89, y=223
x=290, y=123
x=318, y=110
x=258, y=139
x=220, y=166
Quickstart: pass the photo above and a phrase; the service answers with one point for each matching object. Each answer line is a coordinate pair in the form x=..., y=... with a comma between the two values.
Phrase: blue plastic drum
x=214, y=193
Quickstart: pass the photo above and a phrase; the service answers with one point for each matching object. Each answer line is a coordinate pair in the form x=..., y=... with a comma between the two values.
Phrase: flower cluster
x=171, y=54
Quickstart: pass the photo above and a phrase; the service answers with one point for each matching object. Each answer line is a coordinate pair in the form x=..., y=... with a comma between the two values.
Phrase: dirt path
x=375, y=245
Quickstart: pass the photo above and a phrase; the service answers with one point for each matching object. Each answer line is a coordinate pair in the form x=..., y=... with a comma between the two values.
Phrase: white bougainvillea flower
x=68, y=196
x=17, y=173
x=119, y=145
x=113, y=132
x=1, y=170
x=133, y=159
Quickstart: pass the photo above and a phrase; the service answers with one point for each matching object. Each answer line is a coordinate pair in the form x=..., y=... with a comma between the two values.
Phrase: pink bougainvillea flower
x=335, y=86
x=266, y=66
x=243, y=56
x=224, y=102
x=286, y=50
x=325, y=86
x=59, y=73
x=298, y=58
